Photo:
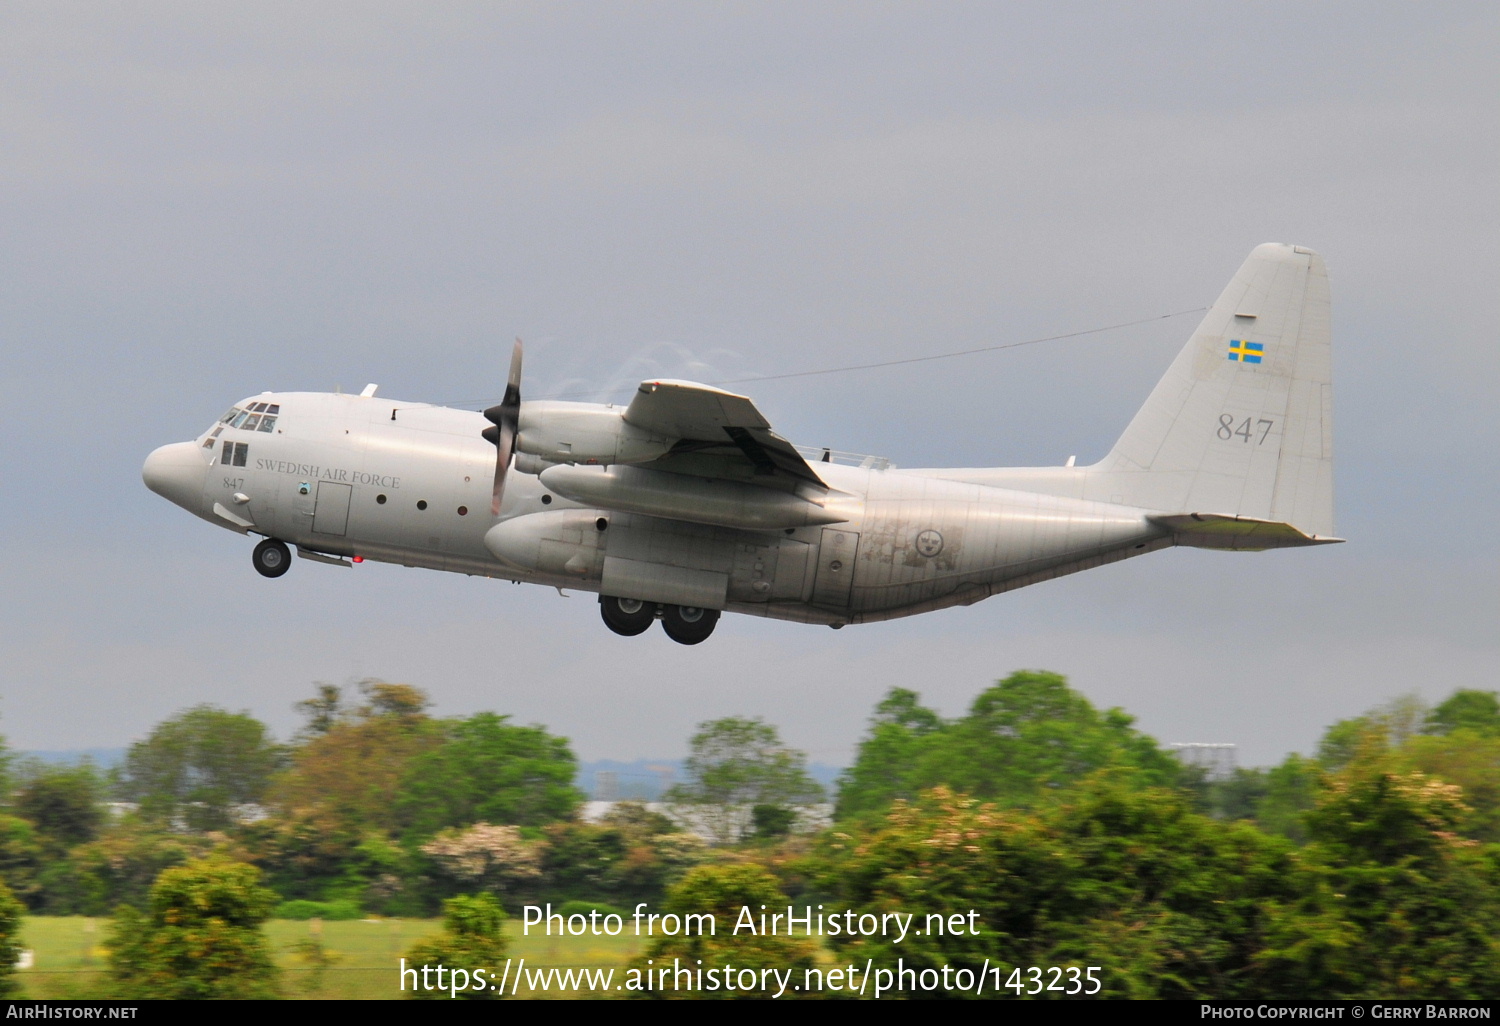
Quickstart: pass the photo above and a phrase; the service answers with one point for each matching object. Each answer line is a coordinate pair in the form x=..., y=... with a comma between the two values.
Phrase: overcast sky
x=201, y=201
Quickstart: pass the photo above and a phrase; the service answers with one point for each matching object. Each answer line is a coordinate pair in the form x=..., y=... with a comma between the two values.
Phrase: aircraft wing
x=720, y=435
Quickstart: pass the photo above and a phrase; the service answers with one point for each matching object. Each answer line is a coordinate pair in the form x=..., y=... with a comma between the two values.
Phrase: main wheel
x=688, y=625
x=272, y=558
x=626, y=616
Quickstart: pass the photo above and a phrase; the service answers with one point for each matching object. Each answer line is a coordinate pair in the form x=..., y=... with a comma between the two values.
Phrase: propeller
x=506, y=418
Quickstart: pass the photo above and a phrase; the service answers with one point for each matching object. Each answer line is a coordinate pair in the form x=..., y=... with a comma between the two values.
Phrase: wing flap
x=720, y=434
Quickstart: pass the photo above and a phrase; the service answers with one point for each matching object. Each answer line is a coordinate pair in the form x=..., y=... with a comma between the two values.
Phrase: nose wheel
x=271, y=558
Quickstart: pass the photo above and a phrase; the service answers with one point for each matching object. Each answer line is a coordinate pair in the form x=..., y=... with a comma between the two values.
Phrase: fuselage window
x=234, y=454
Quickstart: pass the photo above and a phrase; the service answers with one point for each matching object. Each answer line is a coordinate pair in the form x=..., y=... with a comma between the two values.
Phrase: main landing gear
x=686, y=625
x=272, y=558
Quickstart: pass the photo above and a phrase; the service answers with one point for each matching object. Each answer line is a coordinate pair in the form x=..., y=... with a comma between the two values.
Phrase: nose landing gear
x=686, y=625
x=272, y=558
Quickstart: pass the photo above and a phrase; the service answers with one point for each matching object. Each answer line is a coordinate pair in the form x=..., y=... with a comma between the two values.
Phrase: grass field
x=68, y=960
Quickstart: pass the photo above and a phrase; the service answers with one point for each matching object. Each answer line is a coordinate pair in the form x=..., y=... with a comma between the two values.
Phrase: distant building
x=1217, y=760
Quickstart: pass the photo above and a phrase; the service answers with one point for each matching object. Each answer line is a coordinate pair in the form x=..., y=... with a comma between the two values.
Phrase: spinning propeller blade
x=506, y=418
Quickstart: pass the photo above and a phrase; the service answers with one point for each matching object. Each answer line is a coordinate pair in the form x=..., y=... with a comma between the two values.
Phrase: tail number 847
x=1245, y=430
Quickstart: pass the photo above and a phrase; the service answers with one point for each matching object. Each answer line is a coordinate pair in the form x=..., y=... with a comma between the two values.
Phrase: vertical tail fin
x=1242, y=422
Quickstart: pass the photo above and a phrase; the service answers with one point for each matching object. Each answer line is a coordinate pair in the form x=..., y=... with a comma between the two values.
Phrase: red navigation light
x=359, y=559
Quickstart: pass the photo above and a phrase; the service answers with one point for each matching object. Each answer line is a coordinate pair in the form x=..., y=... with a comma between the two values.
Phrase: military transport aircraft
x=685, y=503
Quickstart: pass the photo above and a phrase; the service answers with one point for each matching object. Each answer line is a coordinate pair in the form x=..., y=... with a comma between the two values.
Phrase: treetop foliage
x=11, y=912
x=736, y=766
x=723, y=891
x=1478, y=711
x=473, y=939
x=487, y=770
x=65, y=802
x=201, y=937
x=197, y=767
x=347, y=775
x=1395, y=903
x=1026, y=736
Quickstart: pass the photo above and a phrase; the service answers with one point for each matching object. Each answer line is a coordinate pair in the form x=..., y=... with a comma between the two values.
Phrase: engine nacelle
x=564, y=543
x=560, y=432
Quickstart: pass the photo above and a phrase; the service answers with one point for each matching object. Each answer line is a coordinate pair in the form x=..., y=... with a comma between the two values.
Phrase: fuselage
x=368, y=478
x=685, y=503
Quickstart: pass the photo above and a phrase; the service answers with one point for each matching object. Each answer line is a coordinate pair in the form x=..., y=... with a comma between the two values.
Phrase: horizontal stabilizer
x=1227, y=531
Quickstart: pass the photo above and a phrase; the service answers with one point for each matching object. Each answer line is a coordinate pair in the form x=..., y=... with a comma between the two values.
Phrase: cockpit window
x=250, y=417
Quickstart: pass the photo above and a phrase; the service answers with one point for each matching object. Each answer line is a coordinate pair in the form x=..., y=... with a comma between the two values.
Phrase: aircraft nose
x=177, y=472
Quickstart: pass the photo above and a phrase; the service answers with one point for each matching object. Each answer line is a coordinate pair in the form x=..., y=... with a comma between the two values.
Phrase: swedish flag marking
x=1246, y=352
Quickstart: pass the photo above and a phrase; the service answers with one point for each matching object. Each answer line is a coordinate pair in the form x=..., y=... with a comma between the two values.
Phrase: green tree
x=735, y=765
x=882, y=770
x=472, y=945
x=1458, y=741
x=1386, y=726
x=1402, y=906
x=630, y=857
x=199, y=766
x=1469, y=758
x=1175, y=903
x=65, y=803
x=1291, y=790
x=1478, y=711
x=487, y=770
x=1024, y=738
x=119, y=867
x=23, y=858
x=200, y=938
x=323, y=711
x=11, y=912
x=1239, y=795
x=723, y=893
x=346, y=781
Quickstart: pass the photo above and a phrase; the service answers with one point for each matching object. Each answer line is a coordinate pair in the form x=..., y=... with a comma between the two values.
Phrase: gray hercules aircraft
x=685, y=503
